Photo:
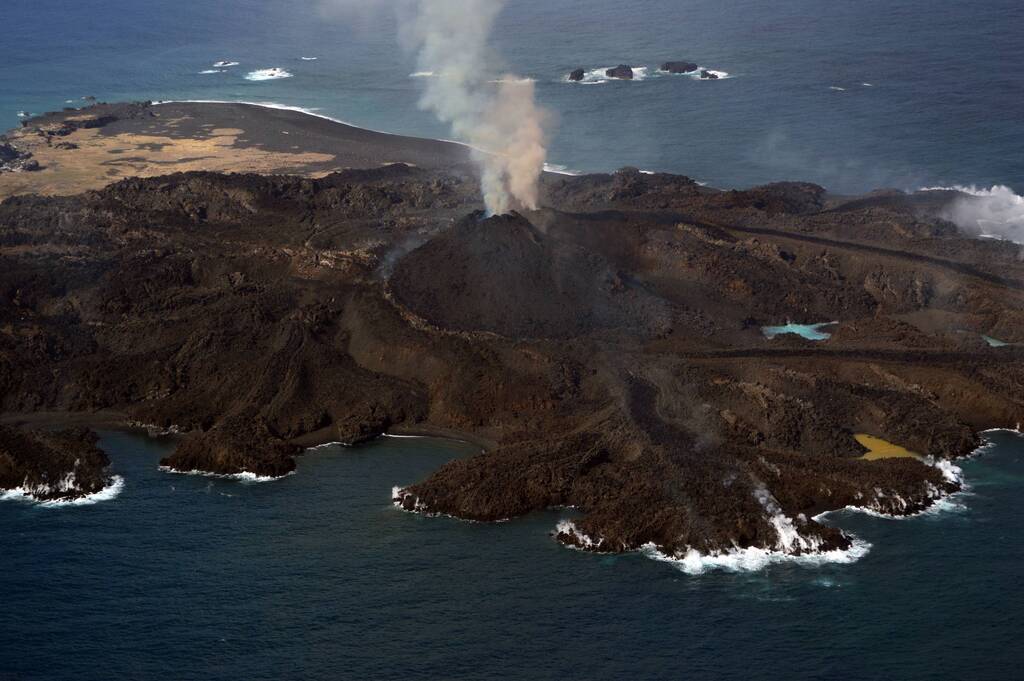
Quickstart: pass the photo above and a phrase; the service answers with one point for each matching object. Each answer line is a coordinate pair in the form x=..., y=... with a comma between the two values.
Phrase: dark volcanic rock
x=235, y=446
x=14, y=160
x=577, y=75
x=58, y=466
x=679, y=67
x=502, y=275
x=622, y=71
x=8, y=152
x=607, y=344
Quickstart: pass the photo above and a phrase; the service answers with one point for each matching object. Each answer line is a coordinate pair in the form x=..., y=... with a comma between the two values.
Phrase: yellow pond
x=882, y=449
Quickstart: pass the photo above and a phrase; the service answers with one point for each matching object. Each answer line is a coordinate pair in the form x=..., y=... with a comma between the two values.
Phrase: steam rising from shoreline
x=993, y=212
x=498, y=117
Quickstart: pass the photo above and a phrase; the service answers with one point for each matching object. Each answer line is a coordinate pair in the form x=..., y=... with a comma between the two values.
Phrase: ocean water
x=317, y=576
x=853, y=95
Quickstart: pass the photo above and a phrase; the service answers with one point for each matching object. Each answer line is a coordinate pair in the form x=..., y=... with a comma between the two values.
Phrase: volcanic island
x=262, y=280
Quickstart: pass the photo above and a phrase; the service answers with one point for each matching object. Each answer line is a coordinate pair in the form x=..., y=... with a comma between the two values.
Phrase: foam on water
x=244, y=476
x=837, y=88
x=309, y=58
x=23, y=494
x=422, y=74
x=753, y=559
x=274, y=73
x=207, y=71
x=224, y=64
x=559, y=170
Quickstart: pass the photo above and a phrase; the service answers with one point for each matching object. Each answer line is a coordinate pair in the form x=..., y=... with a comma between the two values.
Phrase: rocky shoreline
x=61, y=466
x=606, y=348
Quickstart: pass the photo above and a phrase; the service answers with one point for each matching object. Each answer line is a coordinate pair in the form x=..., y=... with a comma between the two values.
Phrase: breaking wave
x=996, y=212
x=244, y=476
x=753, y=559
x=112, y=489
x=600, y=76
x=722, y=75
x=559, y=170
x=837, y=88
x=225, y=64
x=207, y=71
x=309, y=58
x=274, y=73
x=422, y=74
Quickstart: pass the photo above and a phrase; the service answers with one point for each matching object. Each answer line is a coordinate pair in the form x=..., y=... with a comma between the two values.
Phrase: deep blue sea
x=317, y=576
x=932, y=90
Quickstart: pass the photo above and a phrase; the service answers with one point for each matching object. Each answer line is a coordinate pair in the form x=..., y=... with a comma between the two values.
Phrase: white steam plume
x=993, y=212
x=497, y=116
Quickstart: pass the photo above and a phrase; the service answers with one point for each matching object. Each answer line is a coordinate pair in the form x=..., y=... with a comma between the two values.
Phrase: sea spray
x=995, y=212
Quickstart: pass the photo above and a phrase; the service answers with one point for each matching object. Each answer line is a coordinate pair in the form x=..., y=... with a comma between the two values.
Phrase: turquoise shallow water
x=814, y=332
x=850, y=95
x=317, y=576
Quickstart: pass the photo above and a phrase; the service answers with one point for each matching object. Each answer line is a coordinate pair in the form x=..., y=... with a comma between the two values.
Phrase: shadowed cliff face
x=609, y=344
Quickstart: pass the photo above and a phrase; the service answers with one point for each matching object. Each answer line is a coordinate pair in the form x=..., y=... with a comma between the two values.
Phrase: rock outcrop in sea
x=679, y=67
x=52, y=466
x=622, y=72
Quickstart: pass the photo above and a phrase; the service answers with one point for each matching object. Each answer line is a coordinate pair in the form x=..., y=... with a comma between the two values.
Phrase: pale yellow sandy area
x=882, y=449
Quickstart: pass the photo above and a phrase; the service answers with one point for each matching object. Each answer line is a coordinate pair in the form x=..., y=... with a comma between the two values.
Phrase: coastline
x=549, y=167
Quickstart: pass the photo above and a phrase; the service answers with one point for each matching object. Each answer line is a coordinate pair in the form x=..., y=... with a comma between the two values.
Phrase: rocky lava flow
x=609, y=345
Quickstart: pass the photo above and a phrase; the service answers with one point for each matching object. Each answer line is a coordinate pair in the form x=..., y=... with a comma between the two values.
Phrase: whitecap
x=752, y=559
x=208, y=71
x=309, y=58
x=559, y=170
x=867, y=85
x=224, y=64
x=837, y=88
x=244, y=476
x=274, y=73
x=422, y=74
x=112, y=489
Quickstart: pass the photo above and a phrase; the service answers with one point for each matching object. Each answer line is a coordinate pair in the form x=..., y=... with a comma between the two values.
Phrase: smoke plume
x=497, y=116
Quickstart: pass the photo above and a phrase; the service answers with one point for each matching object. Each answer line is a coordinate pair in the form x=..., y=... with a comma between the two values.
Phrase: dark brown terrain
x=52, y=466
x=607, y=347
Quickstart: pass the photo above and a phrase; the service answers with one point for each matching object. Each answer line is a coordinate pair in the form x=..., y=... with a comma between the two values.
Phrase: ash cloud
x=497, y=115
